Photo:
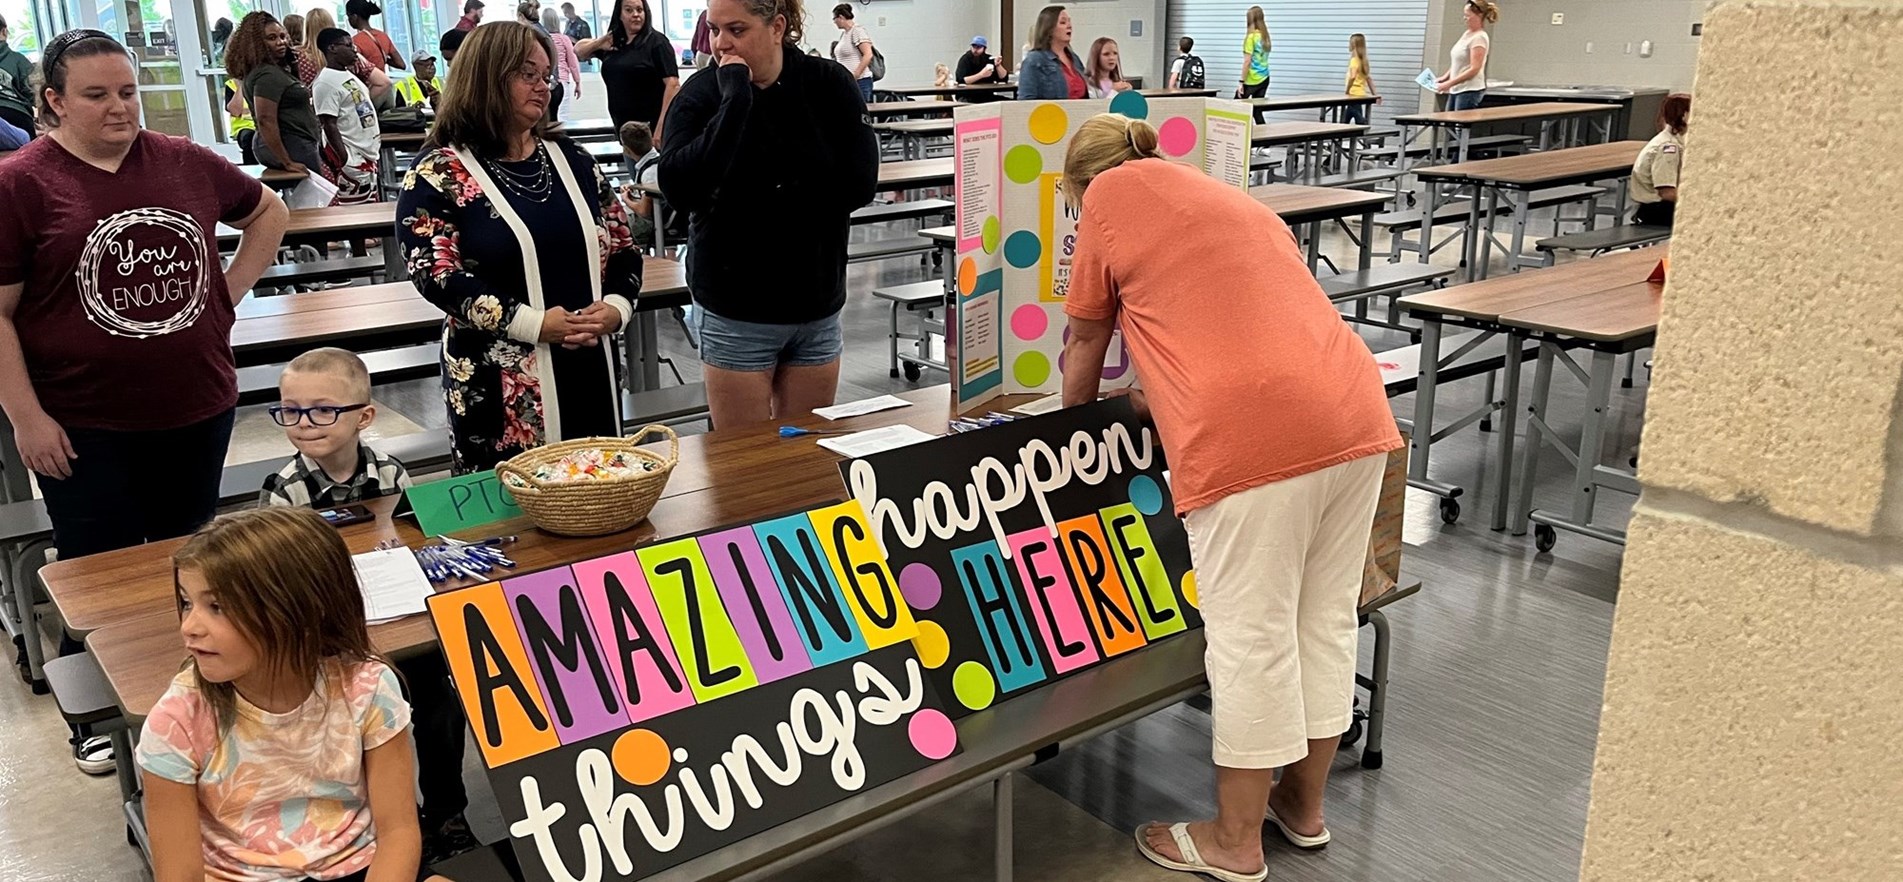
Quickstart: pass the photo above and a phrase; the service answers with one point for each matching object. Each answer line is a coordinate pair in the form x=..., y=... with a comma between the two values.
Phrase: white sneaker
x=94, y=755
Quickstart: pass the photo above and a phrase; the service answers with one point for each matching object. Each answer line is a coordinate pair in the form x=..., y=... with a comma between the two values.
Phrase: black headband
x=66, y=41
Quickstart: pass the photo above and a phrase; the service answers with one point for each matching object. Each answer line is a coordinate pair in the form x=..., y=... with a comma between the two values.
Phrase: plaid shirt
x=303, y=482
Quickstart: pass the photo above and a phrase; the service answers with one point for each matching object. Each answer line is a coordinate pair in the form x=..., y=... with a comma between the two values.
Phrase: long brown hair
x=1045, y=27
x=619, y=29
x=478, y=106
x=1358, y=48
x=245, y=51
x=1673, y=112
x=1488, y=10
x=1093, y=68
x=765, y=10
x=1102, y=143
x=284, y=579
x=1258, y=24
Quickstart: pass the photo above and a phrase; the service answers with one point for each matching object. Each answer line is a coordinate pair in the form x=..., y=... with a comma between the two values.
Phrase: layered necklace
x=535, y=185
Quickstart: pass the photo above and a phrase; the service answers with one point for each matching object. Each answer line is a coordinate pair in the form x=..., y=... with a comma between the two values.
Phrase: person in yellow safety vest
x=243, y=127
x=423, y=86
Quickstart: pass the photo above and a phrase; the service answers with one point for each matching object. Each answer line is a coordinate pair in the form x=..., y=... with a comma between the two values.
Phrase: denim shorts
x=734, y=345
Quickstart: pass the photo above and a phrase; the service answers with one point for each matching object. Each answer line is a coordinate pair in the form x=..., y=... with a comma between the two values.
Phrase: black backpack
x=1191, y=76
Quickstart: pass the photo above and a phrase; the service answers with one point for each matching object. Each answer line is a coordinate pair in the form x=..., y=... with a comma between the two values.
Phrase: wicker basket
x=590, y=508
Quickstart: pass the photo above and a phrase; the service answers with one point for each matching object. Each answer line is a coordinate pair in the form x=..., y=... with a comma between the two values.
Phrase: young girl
x=282, y=749
x=1255, y=56
x=1104, y=70
x=941, y=76
x=1359, y=83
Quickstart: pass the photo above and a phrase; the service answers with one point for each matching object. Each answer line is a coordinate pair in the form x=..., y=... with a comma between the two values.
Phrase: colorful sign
x=638, y=710
x=1030, y=550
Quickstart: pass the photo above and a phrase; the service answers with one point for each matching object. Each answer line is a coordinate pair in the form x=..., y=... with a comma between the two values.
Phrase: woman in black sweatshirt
x=769, y=153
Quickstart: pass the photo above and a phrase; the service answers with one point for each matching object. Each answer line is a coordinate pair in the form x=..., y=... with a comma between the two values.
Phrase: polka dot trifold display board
x=1016, y=236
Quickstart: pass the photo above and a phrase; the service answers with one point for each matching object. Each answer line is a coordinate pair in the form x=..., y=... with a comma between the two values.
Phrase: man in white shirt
x=352, y=139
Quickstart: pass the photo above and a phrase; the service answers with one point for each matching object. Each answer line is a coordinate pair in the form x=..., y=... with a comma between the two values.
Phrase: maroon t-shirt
x=125, y=318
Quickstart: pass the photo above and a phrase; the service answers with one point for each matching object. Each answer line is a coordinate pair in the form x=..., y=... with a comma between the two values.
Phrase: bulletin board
x=1016, y=237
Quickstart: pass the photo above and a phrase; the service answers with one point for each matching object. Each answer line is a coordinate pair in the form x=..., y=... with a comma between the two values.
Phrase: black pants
x=436, y=717
x=555, y=94
x=1655, y=214
x=1259, y=90
x=245, y=138
x=130, y=488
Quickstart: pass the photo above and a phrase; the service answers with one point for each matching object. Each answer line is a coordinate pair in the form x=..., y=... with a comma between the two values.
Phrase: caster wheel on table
x=911, y=372
x=1544, y=537
x=1449, y=510
x=1371, y=759
x=1353, y=734
x=895, y=373
x=1486, y=425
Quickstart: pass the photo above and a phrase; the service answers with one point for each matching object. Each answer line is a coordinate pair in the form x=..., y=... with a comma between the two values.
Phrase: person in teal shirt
x=1255, y=57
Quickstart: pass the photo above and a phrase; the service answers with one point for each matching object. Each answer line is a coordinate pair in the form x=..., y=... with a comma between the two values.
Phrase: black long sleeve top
x=769, y=178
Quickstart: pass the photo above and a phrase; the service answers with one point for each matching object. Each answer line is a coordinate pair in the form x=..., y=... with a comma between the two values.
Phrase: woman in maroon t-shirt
x=115, y=315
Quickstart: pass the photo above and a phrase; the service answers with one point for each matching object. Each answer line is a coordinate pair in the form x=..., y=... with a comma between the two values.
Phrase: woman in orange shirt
x=1277, y=429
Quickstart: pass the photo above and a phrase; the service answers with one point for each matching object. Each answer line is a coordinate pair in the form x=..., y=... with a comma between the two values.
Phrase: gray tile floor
x=1493, y=714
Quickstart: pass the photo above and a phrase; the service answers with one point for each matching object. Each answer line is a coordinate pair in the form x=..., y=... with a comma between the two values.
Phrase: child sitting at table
x=282, y=749
x=324, y=406
x=644, y=164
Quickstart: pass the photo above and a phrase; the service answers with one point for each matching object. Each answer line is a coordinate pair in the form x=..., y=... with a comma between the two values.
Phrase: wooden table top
x=403, y=140
x=909, y=173
x=1271, y=134
x=1503, y=113
x=1295, y=203
x=910, y=108
x=124, y=598
x=1610, y=316
x=330, y=222
x=953, y=89
x=1177, y=93
x=275, y=178
x=1546, y=168
x=1309, y=101
x=916, y=126
x=272, y=323
x=1487, y=300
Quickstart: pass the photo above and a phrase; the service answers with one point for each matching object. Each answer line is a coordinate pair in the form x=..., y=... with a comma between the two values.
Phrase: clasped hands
x=585, y=327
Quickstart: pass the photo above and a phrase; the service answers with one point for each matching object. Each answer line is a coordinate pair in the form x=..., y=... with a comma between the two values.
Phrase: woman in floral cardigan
x=527, y=356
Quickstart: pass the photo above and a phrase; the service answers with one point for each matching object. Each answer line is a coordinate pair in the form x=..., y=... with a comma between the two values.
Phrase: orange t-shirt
x=1251, y=374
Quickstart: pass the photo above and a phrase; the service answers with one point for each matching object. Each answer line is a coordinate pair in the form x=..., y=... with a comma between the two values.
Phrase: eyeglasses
x=529, y=76
x=321, y=415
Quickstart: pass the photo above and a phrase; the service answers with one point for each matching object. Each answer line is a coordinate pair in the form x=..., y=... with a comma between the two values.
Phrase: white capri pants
x=1279, y=569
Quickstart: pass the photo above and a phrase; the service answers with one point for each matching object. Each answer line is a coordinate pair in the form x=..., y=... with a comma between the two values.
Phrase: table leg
x=1422, y=441
x=1508, y=419
x=1465, y=133
x=1430, y=203
x=1400, y=158
x=1485, y=262
x=1546, y=134
x=1605, y=366
x=1366, y=260
x=1314, y=246
x=1469, y=244
x=1535, y=434
x=1521, y=198
x=650, y=326
x=1001, y=809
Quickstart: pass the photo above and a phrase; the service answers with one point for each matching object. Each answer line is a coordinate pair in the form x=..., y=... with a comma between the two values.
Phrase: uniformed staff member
x=1655, y=174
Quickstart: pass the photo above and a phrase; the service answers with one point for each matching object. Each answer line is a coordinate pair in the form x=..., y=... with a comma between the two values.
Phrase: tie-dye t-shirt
x=281, y=796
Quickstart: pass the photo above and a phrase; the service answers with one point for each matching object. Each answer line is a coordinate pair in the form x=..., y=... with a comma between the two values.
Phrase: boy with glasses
x=324, y=406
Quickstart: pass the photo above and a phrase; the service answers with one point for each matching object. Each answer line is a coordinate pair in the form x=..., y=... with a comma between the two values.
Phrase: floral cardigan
x=490, y=382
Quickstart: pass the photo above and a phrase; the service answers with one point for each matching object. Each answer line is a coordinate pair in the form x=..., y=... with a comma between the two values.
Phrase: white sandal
x=1306, y=843
x=1192, y=861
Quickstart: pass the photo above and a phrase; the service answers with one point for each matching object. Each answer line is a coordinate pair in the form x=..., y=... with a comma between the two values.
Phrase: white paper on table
x=1047, y=404
x=861, y=408
x=393, y=584
x=312, y=192
x=1427, y=78
x=874, y=441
